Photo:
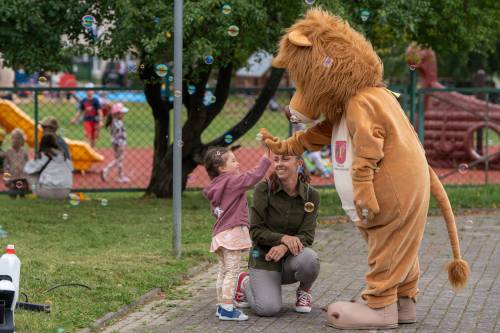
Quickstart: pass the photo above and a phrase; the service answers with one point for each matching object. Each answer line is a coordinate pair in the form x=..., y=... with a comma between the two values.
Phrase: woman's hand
x=276, y=253
x=293, y=243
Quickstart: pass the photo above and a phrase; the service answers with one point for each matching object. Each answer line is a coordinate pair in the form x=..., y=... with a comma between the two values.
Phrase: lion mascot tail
x=458, y=269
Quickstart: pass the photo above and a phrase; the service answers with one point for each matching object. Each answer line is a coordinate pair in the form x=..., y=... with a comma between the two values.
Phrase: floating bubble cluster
x=226, y=9
x=233, y=30
x=364, y=14
x=161, y=70
x=228, y=138
x=463, y=168
x=208, y=59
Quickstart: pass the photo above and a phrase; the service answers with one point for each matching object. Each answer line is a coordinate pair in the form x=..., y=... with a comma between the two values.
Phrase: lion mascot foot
x=359, y=316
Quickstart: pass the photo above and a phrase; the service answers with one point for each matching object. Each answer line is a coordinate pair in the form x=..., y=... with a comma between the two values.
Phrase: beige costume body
x=339, y=76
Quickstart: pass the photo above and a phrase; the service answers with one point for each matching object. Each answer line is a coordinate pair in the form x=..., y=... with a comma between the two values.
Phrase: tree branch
x=255, y=112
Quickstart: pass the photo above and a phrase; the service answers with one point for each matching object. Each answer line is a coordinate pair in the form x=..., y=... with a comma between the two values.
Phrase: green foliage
x=31, y=32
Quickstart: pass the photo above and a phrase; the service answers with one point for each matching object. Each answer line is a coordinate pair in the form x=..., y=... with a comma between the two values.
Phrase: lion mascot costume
x=380, y=169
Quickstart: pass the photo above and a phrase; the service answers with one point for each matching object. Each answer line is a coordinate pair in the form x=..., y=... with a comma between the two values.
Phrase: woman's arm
x=259, y=231
x=34, y=166
x=307, y=229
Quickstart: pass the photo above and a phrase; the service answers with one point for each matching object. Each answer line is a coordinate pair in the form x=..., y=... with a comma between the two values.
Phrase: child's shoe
x=123, y=179
x=217, y=310
x=239, y=296
x=233, y=314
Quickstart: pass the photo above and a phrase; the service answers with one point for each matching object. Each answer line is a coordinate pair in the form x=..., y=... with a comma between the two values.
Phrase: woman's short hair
x=48, y=143
x=214, y=159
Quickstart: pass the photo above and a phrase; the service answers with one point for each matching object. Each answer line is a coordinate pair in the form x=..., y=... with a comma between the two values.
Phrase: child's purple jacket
x=228, y=199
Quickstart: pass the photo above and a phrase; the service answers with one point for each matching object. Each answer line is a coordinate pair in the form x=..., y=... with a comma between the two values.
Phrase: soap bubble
x=170, y=99
x=6, y=176
x=328, y=62
x=104, y=202
x=61, y=330
x=463, y=168
x=228, y=138
x=33, y=187
x=42, y=79
x=258, y=137
x=88, y=21
x=19, y=184
x=157, y=20
x=226, y=9
x=168, y=34
x=209, y=98
x=132, y=68
x=161, y=70
x=469, y=224
x=180, y=143
x=74, y=199
x=142, y=66
x=309, y=2
x=191, y=89
x=412, y=67
x=365, y=14
x=233, y=30
x=171, y=78
x=65, y=216
x=177, y=93
x=209, y=59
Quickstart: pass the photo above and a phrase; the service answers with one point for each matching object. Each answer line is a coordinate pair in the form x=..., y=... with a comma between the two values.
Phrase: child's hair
x=48, y=144
x=17, y=132
x=214, y=158
x=108, y=121
x=303, y=176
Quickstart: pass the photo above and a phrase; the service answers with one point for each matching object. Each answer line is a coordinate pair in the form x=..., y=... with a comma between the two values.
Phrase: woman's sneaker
x=304, y=301
x=240, y=300
x=235, y=314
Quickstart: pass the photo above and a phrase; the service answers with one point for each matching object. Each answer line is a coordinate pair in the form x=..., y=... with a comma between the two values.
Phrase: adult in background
x=50, y=125
x=51, y=172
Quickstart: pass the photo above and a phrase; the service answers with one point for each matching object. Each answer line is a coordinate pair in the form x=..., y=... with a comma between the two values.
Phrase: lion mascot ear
x=297, y=38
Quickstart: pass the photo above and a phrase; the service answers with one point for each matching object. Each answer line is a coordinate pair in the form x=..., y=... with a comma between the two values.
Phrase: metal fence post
x=486, y=132
x=420, y=105
x=413, y=88
x=177, y=168
x=35, y=144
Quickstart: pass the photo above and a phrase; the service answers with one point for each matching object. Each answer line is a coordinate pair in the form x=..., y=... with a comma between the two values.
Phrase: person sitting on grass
x=51, y=172
x=14, y=160
x=282, y=225
x=50, y=125
x=230, y=237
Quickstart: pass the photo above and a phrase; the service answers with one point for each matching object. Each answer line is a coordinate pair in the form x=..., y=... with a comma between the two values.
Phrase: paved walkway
x=343, y=263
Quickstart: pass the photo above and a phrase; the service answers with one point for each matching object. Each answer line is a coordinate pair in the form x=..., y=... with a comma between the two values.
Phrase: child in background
x=92, y=115
x=114, y=122
x=13, y=168
x=230, y=236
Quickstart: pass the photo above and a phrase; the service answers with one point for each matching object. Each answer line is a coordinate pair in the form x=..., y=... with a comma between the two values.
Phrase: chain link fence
x=461, y=133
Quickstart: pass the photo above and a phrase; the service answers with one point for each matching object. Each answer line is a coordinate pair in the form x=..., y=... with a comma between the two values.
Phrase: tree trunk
x=199, y=118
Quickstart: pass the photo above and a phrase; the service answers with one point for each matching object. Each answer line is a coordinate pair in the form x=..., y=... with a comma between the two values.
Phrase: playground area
x=453, y=122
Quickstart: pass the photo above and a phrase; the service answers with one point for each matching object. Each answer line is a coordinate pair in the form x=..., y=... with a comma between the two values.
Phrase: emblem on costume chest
x=340, y=151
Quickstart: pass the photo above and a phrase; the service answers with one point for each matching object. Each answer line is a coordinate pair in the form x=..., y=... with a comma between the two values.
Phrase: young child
x=230, y=236
x=14, y=161
x=114, y=122
x=92, y=116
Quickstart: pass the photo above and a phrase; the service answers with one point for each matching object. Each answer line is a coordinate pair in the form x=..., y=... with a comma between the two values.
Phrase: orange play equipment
x=82, y=155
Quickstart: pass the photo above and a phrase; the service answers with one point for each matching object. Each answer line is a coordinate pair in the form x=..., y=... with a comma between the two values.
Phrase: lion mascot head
x=329, y=63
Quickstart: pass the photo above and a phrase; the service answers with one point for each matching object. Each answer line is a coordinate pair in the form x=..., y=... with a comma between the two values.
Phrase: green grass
x=140, y=126
x=122, y=250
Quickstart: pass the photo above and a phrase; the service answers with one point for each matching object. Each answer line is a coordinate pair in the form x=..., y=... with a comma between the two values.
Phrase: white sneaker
x=104, y=174
x=123, y=179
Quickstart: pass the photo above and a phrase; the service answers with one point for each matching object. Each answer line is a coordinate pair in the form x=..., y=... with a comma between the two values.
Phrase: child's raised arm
x=250, y=178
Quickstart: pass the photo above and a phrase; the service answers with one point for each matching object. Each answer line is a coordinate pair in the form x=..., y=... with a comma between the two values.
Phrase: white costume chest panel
x=342, y=156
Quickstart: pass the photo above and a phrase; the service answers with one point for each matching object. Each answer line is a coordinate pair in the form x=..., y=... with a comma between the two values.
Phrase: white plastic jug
x=10, y=269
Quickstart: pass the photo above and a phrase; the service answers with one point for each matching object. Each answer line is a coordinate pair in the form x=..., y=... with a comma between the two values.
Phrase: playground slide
x=82, y=155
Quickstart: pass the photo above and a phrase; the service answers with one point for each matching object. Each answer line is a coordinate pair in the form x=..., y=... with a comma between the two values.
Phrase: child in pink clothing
x=227, y=195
